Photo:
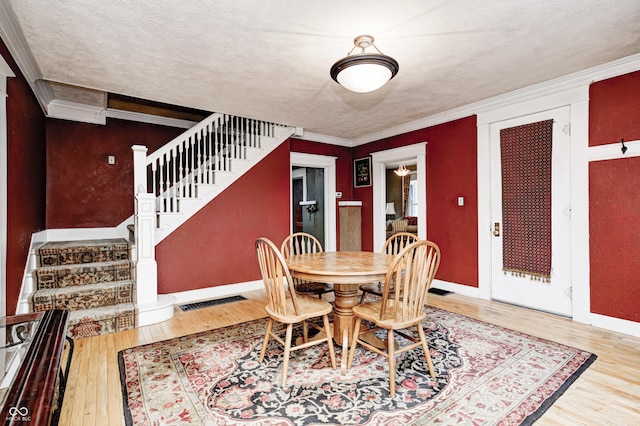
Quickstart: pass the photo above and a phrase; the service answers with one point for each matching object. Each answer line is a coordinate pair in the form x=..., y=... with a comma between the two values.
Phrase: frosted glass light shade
x=364, y=72
x=365, y=76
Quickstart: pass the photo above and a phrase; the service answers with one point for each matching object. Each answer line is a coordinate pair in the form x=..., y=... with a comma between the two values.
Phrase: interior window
x=413, y=196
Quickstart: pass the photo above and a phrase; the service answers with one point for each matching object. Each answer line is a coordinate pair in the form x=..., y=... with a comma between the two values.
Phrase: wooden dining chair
x=393, y=245
x=412, y=272
x=303, y=243
x=286, y=307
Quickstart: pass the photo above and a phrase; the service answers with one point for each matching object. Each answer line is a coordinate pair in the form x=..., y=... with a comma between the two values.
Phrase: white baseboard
x=596, y=320
x=601, y=321
x=464, y=290
x=217, y=291
x=616, y=324
x=72, y=234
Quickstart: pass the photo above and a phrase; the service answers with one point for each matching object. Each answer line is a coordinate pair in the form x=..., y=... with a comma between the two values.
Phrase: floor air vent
x=212, y=302
x=439, y=292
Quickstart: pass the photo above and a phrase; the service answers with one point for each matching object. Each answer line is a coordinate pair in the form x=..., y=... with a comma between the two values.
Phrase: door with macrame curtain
x=530, y=193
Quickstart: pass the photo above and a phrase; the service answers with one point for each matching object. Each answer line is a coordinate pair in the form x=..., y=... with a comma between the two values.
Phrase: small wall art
x=362, y=172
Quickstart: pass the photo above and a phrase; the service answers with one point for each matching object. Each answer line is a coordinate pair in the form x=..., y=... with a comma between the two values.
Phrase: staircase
x=188, y=172
x=91, y=279
x=109, y=284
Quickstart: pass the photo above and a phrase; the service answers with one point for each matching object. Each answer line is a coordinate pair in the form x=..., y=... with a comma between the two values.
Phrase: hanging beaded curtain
x=526, y=199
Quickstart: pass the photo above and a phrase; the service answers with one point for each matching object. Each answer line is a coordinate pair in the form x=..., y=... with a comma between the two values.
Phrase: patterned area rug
x=485, y=374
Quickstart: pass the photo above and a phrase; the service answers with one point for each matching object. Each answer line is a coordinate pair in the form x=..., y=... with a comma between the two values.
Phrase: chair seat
x=309, y=307
x=371, y=312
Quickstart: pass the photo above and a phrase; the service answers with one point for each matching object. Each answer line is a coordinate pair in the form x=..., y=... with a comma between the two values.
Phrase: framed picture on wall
x=362, y=172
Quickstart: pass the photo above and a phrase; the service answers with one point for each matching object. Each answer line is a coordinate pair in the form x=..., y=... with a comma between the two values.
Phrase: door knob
x=496, y=229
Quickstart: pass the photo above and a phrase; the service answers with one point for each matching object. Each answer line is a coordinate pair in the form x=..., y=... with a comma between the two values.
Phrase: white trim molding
x=380, y=159
x=613, y=151
x=5, y=73
x=328, y=163
x=530, y=93
x=74, y=111
x=189, y=296
x=576, y=96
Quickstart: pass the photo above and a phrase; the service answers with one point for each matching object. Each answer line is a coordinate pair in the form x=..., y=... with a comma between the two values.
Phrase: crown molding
x=148, y=118
x=17, y=44
x=570, y=82
x=98, y=115
x=74, y=111
x=317, y=137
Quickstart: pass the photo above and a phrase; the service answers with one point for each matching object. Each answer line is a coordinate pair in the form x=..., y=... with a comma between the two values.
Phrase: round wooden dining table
x=347, y=270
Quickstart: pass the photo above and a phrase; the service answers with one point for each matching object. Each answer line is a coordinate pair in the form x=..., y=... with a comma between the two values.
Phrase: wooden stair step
x=89, y=251
x=102, y=320
x=83, y=297
x=81, y=274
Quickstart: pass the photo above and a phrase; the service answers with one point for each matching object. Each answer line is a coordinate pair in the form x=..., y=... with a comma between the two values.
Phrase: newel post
x=139, y=168
x=146, y=267
x=146, y=271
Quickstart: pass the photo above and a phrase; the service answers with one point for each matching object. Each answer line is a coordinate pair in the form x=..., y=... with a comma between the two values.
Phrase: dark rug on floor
x=485, y=374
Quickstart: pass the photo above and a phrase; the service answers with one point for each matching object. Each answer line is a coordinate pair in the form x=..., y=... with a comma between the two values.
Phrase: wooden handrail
x=32, y=397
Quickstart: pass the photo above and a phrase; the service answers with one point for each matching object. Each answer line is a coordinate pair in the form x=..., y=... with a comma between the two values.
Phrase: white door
x=547, y=293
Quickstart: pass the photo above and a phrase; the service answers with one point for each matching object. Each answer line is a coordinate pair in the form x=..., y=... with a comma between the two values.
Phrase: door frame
x=416, y=152
x=5, y=74
x=577, y=98
x=328, y=163
x=553, y=296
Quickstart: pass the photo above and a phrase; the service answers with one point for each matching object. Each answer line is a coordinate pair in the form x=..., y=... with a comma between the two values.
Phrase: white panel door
x=553, y=296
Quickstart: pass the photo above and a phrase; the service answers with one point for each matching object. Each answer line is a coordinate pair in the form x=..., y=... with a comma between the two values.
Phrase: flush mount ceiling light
x=364, y=72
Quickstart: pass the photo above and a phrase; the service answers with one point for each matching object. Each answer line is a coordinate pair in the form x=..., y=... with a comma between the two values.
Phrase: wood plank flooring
x=608, y=393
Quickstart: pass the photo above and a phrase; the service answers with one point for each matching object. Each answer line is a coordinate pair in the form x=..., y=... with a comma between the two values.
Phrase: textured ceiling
x=270, y=59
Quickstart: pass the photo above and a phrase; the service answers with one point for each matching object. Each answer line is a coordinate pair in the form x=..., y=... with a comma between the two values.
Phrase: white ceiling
x=270, y=59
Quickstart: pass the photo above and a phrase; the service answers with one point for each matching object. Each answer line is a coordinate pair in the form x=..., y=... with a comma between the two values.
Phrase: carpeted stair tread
x=81, y=274
x=92, y=279
x=83, y=297
x=102, y=320
x=90, y=251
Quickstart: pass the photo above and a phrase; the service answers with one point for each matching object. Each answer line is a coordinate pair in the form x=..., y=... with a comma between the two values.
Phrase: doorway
x=327, y=166
x=308, y=201
x=298, y=187
x=411, y=154
x=531, y=243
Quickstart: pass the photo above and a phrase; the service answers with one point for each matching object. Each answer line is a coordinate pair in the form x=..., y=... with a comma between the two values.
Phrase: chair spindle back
x=276, y=277
x=398, y=241
x=300, y=243
x=411, y=272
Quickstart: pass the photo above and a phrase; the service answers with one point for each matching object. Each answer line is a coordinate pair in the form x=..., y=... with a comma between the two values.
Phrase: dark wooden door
x=296, y=207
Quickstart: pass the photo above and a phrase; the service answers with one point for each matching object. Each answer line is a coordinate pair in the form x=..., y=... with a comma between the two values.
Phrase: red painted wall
x=614, y=106
x=451, y=172
x=25, y=177
x=217, y=245
x=614, y=200
x=83, y=191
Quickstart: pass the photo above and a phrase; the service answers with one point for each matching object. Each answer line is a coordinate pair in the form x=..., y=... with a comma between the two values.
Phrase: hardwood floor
x=608, y=393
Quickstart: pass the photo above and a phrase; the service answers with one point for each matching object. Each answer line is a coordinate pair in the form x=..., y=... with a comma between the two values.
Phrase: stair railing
x=173, y=172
